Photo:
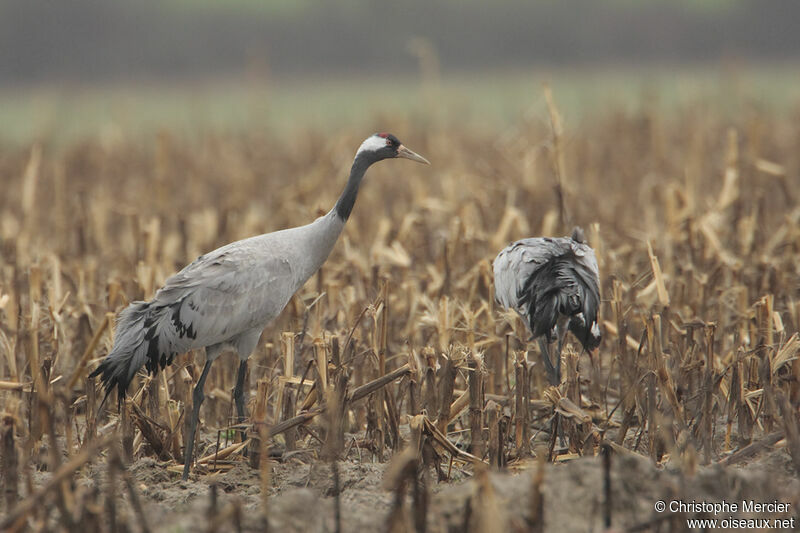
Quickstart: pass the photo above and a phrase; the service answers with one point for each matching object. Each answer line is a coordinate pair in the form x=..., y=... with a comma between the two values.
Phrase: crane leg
x=553, y=375
x=238, y=391
x=197, y=399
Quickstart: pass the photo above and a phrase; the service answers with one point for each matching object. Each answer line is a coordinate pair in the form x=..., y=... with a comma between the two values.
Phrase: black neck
x=344, y=205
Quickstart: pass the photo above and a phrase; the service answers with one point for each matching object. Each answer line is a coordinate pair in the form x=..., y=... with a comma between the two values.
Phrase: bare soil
x=302, y=494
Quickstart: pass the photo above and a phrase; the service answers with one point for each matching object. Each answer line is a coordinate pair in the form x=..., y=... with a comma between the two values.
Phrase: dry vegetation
x=695, y=221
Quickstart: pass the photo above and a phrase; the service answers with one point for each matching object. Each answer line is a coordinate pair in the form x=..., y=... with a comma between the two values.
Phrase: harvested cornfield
x=392, y=393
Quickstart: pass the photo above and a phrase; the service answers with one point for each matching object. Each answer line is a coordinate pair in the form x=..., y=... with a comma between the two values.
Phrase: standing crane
x=225, y=298
x=553, y=283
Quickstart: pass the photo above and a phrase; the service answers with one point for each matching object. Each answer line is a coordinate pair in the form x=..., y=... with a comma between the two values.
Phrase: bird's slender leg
x=552, y=376
x=244, y=345
x=197, y=399
x=238, y=396
x=238, y=391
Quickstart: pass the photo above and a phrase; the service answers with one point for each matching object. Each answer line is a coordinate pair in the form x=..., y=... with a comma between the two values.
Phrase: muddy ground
x=302, y=495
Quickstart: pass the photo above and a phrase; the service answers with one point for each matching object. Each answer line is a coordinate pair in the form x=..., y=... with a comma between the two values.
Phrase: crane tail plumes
x=550, y=292
x=546, y=279
x=584, y=325
x=135, y=344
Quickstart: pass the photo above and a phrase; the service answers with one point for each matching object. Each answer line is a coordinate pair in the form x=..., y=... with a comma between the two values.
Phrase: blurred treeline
x=100, y=40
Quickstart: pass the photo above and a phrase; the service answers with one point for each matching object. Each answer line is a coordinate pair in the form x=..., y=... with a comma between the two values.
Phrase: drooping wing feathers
x=549, y=292
x=119, y=366
x=584, y=324
x=212, y=300
x=542, y=278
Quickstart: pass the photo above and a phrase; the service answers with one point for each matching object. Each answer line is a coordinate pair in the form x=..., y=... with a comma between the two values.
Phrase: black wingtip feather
x=110, y=381
x=543, y=317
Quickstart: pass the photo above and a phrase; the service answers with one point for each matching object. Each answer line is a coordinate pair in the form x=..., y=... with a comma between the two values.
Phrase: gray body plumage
x=224, y=298
x=553, y=283
x=227, y=297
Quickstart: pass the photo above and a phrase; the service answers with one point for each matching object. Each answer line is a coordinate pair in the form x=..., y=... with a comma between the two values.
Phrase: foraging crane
x=225, y=298
x=553, y=284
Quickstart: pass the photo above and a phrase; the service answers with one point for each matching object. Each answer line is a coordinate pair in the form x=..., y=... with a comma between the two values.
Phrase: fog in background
x=93, y=41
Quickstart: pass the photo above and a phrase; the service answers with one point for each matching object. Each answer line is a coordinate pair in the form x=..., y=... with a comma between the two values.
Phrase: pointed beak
x=402, y=151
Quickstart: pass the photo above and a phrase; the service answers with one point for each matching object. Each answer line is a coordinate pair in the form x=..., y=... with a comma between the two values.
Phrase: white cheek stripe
x=372, y=144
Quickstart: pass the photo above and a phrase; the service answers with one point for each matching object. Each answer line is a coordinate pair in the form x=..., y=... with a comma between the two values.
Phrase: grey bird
x=225, y=298
x=553, y=283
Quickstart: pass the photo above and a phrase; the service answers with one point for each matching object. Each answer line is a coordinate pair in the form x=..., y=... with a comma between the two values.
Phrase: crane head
x=386, y=146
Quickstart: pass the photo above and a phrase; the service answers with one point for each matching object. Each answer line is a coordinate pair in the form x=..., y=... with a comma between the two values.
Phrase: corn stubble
x=395, y=351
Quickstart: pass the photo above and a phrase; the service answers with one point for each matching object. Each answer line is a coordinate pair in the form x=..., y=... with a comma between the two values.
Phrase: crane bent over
x=553, y=283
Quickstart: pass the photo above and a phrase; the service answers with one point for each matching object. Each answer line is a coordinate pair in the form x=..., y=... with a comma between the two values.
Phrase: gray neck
x=322, y=234
x=344, y=205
